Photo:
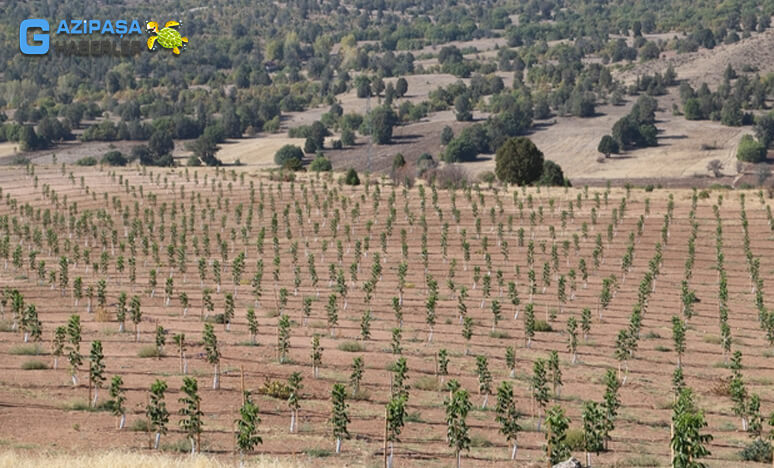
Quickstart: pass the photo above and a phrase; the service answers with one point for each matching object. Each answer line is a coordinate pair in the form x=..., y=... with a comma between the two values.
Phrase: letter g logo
x=40, y=43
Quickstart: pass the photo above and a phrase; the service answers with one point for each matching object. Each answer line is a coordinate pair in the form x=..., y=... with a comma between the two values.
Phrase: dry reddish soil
x=34, y=404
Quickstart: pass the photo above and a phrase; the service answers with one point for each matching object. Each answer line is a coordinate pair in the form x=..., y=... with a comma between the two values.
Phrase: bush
x=34, y=365
x=320, y=164
x=288, y=152
x=351, y=178
x=575, y=439
x=446, y=135
x=450, y=176
x=86, y=161
x=552, y=174
x=347, y=137
x=275, y=389
x=518, y=161
x=149, y=351
x=293, y=165
x=310, y=146
x=542, y=326
x=351, y=347
x=27, y=350
x=750, y=150
x=758, y=451
x=337, y=144
x=114, y=158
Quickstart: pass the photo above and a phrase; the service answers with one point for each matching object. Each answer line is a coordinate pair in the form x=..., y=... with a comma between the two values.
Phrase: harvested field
x=340, y=228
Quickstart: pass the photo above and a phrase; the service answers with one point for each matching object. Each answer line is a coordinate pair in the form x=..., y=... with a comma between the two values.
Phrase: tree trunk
x=122, y=422
x=216, y=378
x=513, y=452
x=338, y=445
x=292, y=421
x=156, y=442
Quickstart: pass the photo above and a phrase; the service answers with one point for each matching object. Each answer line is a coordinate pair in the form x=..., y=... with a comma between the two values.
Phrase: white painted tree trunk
x=122, y=422
x=158, y=439
x=338, y=445
x=292, y=422
x=216, y=378
x=513, y=452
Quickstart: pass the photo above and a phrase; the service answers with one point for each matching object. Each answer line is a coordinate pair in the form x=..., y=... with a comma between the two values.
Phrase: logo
x=168, y=37
x=40, y=43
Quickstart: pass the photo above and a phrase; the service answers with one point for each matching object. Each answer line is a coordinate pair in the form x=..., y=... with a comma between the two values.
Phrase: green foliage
x=758, y=450
x=518, y=162
x=351, y=178
x=688, y=443
x=320, y=164
x=750, y=150
x=457, y=432
x=114, y=158
x=190, y=411
x=286, y=153
x=247, y=426
x=557, y=424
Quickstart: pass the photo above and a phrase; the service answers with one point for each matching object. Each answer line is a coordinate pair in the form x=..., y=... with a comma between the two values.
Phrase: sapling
x=161, y=340
x=60, y=336
x=508, y=415
x=96, y=369
x=339, y=417
x=136, y=313
x=117, y=400
x=247, y=426
x=510, y=361
x=357, y=375
x=283, y=338
x=156, y=411
x=252, y=324
x=457, y=432
x=121, y=311
x=395, y=420
x=191, y=413
x=212, y=353
x=484, y=379
x=74, y=350
x=317, y=351
x=442, y=366
x=179, y=340
x=295, y=386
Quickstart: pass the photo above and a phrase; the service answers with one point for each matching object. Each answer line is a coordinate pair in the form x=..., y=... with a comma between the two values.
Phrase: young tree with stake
x=508, y=415
x=58, y=344
x=252, y=325
x=96, y=370
x=357, y=375
x=179, y=340
x=283, y=338
x=117, y=400
x=74, y=350
x=156, y=411
x=136, y=313
x=191, y=413
x=395, y=420
x=247, y=426
x=339, y=417
x=212, y=353
x=457, y=432
x=484, y=379
x=294, y=383
x=557, y=424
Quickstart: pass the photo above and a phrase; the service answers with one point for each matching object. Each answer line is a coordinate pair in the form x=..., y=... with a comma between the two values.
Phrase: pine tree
x=508, y=415
x=339, y=417
x=191, y=413
x=457, y=432
x=96, y=369
x=156, y=411
x=117, y=400
x=295, y=386
x=212, y=353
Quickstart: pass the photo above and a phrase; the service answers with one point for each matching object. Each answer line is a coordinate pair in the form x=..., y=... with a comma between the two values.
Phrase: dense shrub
x=519, y=161
x=750, y=150
x=320, y=164
x=87, y=161
x=288, y=152
x=114, y=158
x=351, y=178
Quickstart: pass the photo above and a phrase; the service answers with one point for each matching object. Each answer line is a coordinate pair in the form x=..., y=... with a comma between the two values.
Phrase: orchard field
x=413, y=288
